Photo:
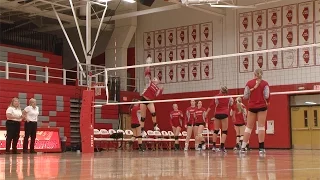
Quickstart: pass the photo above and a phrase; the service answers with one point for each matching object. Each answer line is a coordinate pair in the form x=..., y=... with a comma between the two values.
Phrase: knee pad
x=225, y=132
x=241, y=137
x=248, y=130
x=199, y=135
x=143, y=119
x=176, y=138
x=261, y=128
x=216, y=131
x=238, y=136
x=153, y=114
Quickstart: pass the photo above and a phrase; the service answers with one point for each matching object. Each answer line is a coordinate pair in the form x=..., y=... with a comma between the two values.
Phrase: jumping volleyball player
x=222, y=110
x=151, y=92
x=200, y=123
x=258, y=93
x=135, y=124
x=239, y=117
x=189, y=123
x=176, y=123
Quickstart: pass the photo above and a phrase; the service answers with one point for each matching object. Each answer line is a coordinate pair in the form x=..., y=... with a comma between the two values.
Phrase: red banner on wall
x=46, y=140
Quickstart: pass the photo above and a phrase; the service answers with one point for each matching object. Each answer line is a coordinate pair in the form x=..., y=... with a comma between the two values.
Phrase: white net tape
x=297, y=65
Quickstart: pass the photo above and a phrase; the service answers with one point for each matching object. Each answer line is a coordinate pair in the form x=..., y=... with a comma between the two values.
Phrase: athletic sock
x=261, y=145
x=244, y=144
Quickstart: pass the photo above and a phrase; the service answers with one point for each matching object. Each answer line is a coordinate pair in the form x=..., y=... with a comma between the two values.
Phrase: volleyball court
x=282, y=66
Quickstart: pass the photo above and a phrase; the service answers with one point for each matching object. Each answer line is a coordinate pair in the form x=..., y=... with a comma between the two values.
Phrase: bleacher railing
x=47, y=76
x=67, y=77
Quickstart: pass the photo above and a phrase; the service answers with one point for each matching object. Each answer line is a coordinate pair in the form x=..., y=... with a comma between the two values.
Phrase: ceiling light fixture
x=230, y=6
x=130, y=1
x=313, y=103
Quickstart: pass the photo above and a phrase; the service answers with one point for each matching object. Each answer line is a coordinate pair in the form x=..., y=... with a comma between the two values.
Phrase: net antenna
x=86, y=48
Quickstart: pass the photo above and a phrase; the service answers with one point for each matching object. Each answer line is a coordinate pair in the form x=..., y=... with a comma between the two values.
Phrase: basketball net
x=97, y=88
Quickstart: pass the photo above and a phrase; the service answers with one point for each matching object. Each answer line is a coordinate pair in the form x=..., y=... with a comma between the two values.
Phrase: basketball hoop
x=97, y=88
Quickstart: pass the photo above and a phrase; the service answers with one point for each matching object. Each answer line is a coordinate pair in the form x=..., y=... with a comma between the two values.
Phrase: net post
x=89, y=78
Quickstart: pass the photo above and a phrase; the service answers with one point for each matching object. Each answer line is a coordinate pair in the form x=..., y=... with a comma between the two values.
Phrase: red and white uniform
x=200, y=115
x=135, y=114
x=190, y=116
x=176, y=118
x=221, y=105
x=240, y=117
x=152, y=90
x=259, y=97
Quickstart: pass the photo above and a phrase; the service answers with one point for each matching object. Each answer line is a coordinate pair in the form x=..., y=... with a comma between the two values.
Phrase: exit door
x=305, y=127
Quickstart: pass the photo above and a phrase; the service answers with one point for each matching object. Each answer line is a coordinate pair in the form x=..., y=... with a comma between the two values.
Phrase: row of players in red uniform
x=196, y=119
x=256, y=92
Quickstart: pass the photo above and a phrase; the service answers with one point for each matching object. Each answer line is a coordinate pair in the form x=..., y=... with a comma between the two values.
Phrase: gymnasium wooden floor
x=162, y=165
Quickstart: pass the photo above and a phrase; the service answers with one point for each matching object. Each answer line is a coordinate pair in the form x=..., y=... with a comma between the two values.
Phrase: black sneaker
x=33, y=152
x=141, y=148
x=223, y=150
x=262, y=151
x=176, y=147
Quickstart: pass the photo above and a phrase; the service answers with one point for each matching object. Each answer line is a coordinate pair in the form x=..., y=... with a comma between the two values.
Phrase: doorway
x=305, y=124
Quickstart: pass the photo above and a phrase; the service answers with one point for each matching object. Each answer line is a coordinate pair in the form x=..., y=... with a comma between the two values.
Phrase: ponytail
x=258, y=73
x=240, y=105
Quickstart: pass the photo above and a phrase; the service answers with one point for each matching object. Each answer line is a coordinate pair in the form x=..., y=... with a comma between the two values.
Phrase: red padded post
x=86, y=122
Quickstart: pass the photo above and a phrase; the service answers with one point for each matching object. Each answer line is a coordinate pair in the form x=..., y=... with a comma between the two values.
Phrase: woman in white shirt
x=30, y=113
x=14, y=117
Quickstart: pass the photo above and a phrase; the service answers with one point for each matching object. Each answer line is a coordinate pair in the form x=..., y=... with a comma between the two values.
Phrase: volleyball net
x=289, y=70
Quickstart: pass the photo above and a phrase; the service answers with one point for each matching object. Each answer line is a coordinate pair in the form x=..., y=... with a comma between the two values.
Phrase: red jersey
x=190, y=115
x=135, y=114
x=259, y=97
x=221, y=105
x=240, y=117
x=200, y=115
x=152, y=91
x=176, y=118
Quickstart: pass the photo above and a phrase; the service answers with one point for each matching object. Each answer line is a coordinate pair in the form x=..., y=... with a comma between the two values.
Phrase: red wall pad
x=86, y=121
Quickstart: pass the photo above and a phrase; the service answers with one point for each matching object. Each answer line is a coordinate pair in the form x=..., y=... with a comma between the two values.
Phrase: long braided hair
x=240, y=105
